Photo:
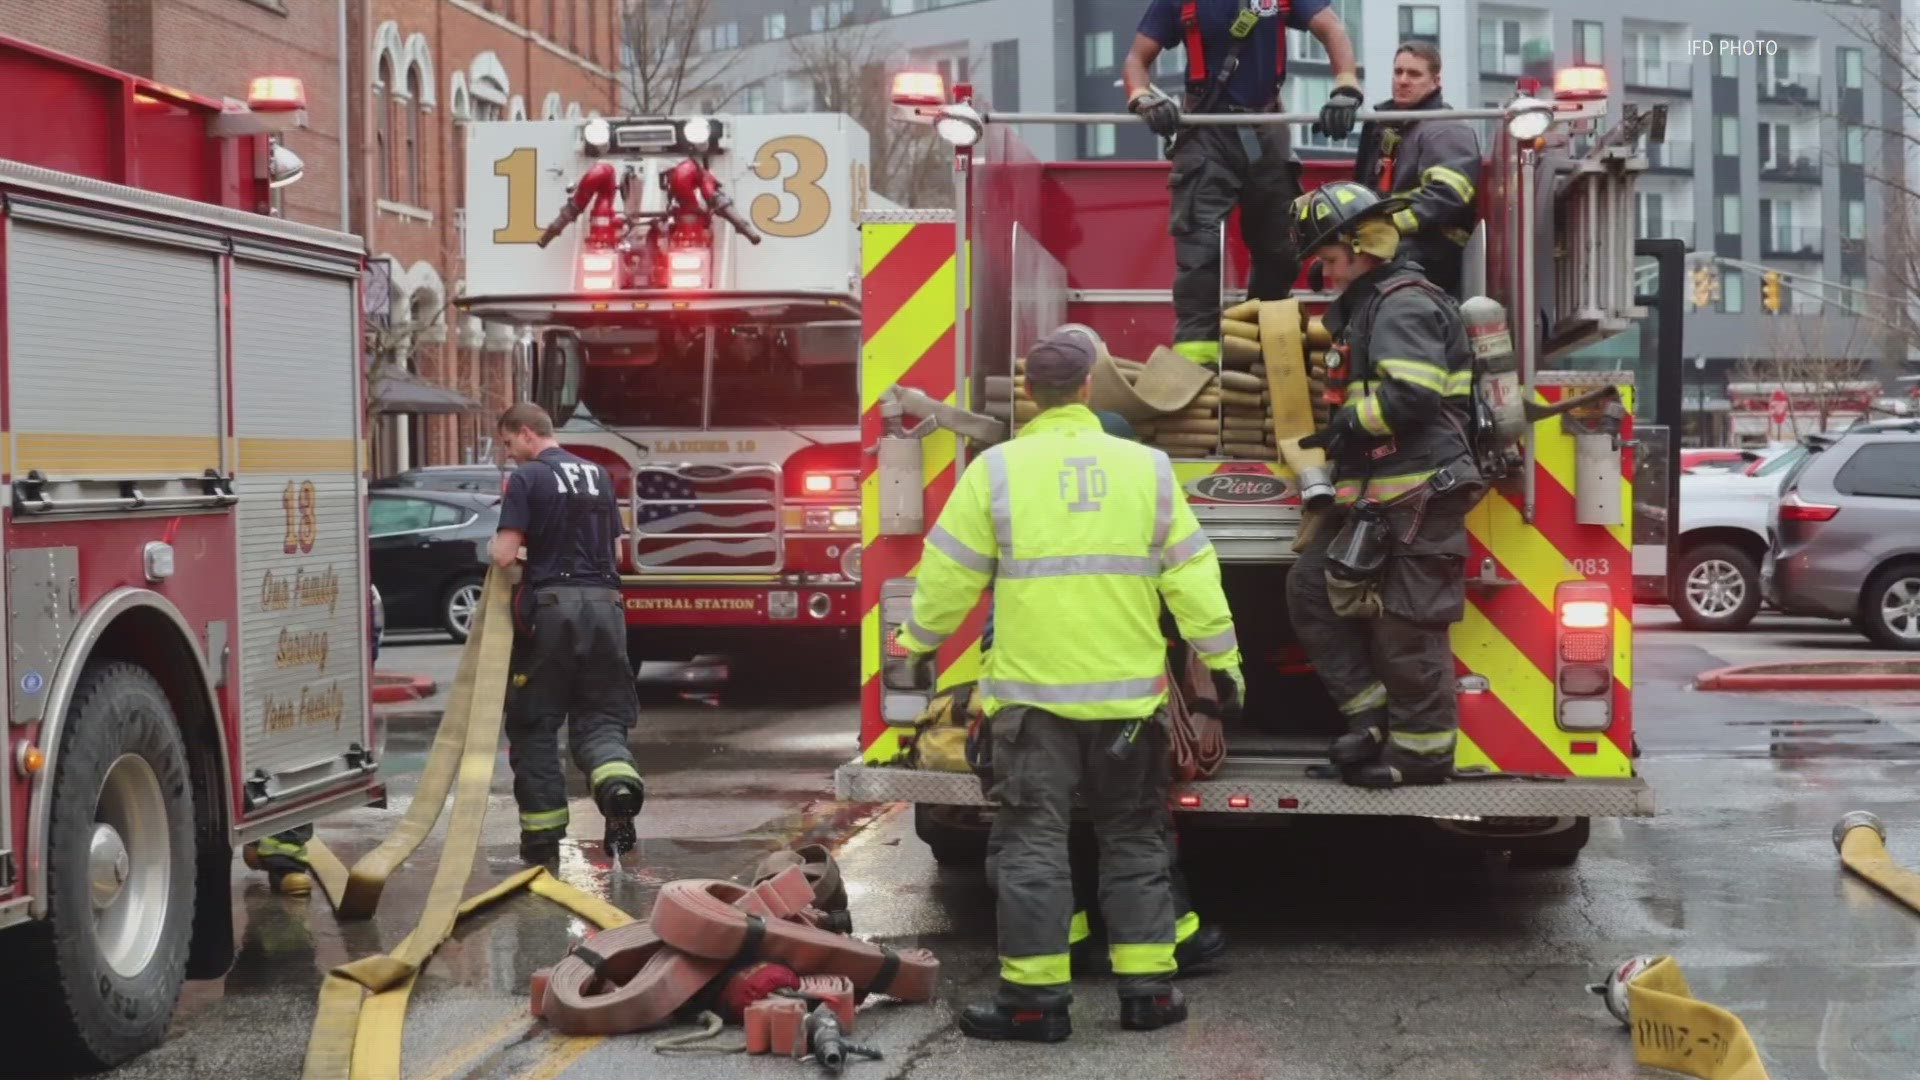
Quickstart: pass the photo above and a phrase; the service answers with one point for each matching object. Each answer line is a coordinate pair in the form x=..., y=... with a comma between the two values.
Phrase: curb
x=391, y=689
x=1794, y=675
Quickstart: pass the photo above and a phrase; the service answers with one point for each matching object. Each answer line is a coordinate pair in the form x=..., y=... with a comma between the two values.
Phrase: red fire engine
x=1544, y=653
x=186, y=593
x=687, y=290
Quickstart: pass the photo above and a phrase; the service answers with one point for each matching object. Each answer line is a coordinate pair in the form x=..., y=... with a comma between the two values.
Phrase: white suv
x=1724, y=520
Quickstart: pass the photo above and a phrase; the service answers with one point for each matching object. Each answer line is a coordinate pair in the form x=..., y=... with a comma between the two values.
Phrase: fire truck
x=1544, y=653
x=184, y=538
x=687, y=291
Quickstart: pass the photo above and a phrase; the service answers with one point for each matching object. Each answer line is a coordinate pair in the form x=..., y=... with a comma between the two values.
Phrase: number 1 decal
x=522, y=170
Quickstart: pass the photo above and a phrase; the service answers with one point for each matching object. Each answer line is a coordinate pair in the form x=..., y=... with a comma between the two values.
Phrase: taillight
x=817, y=483
x=597, y=271
x=687, y=269
x=1795, y=508
x=1583, y=652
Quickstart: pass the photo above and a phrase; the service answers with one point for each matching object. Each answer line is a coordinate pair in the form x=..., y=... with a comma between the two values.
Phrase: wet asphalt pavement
x=1357, y=954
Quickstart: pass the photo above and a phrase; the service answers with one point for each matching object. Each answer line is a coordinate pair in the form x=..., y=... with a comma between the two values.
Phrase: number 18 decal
x=303, y=524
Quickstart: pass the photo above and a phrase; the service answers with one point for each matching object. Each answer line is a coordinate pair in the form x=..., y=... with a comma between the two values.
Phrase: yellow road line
x=447, y=1066
x=562, y=1057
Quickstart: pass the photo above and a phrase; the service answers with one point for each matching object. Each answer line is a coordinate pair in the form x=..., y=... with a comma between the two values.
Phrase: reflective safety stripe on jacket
x=1081, y=535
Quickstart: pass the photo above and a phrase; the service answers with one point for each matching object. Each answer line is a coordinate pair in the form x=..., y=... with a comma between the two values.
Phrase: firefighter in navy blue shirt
x=1236, y=60
x=570, y=642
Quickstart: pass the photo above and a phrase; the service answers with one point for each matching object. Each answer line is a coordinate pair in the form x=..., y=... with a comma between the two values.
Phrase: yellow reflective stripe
x=1372, y=420
x=1417, y=372
x=1381, y=488
x=544, y=819
x=1406, y=222
x=1423, y=742
x=1373, y=697
x=610, y=770
x=1155, y=959
x=1186, y=927
x=877, y=241
x=1461, y=184
x=269, y=845
x=1078, y=930
x=1459, y=383
x=1050, y=969
x=918, y=639
x=897, y=346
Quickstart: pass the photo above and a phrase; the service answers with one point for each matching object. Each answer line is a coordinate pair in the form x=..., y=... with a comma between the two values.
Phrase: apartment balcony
x=1667, y=229
x=1495, y=64
x=1799, y=171
x=1802, y=91
x=1672, y=156
x=1790, y=242
x=1638, y=74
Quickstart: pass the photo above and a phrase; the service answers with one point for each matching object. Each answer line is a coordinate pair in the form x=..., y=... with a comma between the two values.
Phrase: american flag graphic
x=706, y=517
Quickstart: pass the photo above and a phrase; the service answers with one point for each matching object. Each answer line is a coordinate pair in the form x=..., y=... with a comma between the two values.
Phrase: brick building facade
x=423, y=69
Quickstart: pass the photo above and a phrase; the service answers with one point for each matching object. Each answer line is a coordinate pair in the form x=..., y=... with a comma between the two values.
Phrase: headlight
x=850, y=562
x=1529, y=118
x=697, y=131
x=598, y=133
x=959, y=124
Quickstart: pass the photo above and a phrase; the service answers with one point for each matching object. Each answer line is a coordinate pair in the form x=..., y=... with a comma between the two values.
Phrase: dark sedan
x=430, y=556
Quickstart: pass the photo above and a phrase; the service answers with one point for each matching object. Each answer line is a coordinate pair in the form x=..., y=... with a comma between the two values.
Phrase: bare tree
x=1820, y=360
x=663, y=71
x=849, y=69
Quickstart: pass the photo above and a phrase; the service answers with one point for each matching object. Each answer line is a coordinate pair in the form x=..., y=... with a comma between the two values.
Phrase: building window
x=1733, y=292
x=1726, y=59
x=416, y=146
x=1730, y=215
x=773, y=25
x=573, y=25
x=1006, y=75
x=1420, y=22
x=383, y=135
x=1500, y=47
x=1853, y=145
x=1850, y=69
x=1856, y=219
x=1856, y=287
x=829, y=15
x=553, y=20
x=754, y=99
x=1727, y=142
x=1587, y=43
x=1099, y=141
x=1096, y=52
x=1307, y=48
x=726, y=36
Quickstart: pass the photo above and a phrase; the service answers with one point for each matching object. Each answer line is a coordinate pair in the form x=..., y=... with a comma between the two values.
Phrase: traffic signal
x=1703, y=286
x=1770, y=291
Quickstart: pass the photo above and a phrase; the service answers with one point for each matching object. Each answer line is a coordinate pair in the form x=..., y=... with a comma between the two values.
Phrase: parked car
x=486, y=479
x=1724, y=539
x=1729, y=458
x=1846, y=533
x=429, y=552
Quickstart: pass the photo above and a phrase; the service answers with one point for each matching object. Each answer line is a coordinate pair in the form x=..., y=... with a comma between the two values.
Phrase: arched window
x=383, y=133
x=550, y=106
x=487, y=83
x=416, y=170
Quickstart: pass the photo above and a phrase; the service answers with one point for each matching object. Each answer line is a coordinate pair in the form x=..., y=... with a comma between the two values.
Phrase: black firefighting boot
x=1205, y=945
x=1002, y=1024
x=620, y=799
x=541, y=847
x=1153, y=1013
x=1366, y=734
x=1379, y=774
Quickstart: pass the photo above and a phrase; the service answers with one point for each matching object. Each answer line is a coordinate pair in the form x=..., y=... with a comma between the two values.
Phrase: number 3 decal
x=809, y=167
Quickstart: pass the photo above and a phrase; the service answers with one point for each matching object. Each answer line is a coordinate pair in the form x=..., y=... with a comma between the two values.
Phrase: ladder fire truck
x=1544, y=653
x=186, y=631
x=687, y=292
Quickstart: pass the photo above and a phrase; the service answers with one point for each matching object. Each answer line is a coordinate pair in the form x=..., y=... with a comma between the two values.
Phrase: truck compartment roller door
x=303, y=595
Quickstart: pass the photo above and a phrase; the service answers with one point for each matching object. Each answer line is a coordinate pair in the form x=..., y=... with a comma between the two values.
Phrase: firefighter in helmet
x=1434, y=163
x=1081, y=535
x=1236, y=62
x=1379, y=583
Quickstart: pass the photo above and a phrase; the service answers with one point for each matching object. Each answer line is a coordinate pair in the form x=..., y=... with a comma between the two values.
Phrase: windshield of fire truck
x=731, y=375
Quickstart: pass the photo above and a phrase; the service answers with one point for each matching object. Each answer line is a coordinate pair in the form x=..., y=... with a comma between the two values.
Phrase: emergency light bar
x=276, y=93
x=692, y=135
x=1580, y=83
x=919, y=88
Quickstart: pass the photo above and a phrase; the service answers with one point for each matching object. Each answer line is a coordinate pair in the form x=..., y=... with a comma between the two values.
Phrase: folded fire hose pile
x=794, y=916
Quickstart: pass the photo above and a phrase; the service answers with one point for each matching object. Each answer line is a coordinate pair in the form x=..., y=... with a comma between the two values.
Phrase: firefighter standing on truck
x=570, y=639
x=1378, y=585
x=1431, y=163
x=1236, y=54
x=1081, y=535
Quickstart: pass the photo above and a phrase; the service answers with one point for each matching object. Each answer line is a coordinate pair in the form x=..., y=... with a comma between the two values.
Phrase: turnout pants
x=1039, y=761
x=1212, y=172
x=1392, y=675
x=569, y=667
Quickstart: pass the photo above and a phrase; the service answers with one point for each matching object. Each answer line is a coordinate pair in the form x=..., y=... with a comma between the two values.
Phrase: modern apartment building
x=1768, y=146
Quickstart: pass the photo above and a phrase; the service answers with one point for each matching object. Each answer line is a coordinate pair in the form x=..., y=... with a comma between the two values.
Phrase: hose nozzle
x=1316, y=487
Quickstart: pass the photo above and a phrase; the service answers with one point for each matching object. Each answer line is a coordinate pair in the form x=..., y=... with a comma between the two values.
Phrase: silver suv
x=1846, y=533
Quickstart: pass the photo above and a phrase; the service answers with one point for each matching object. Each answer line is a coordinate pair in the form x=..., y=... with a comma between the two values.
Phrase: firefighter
x=1432, y=163
x=284, y=857
x=570, y=643
x=1378, y=585
x=1251, y=165
x=1081, y=536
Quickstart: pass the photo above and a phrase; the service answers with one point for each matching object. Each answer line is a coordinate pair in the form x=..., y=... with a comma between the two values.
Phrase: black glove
x=1319, y=440
x=1160, y=112
x=1227, y=689
x=1340, y=111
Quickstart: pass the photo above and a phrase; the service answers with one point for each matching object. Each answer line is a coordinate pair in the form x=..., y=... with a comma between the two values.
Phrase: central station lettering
x=699, y=603
x=313, y=708
x=303, y=589
x=297, y=647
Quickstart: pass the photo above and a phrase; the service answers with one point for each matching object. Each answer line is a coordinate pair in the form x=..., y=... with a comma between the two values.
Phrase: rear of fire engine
x=186, y=600
x=687, y=293
x=1543, y=655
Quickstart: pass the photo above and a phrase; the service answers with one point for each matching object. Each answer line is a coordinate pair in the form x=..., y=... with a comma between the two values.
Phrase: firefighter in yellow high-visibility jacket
x=1081, y=535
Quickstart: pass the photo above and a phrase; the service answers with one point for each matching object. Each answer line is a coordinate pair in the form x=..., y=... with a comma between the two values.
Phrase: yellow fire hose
x=357, y=1031
x=1673, y=1030
x=1862, y=842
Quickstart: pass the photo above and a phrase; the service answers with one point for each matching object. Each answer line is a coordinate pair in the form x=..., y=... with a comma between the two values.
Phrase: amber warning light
x=919, y=88
x=1580, y=83
x=276, y=93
